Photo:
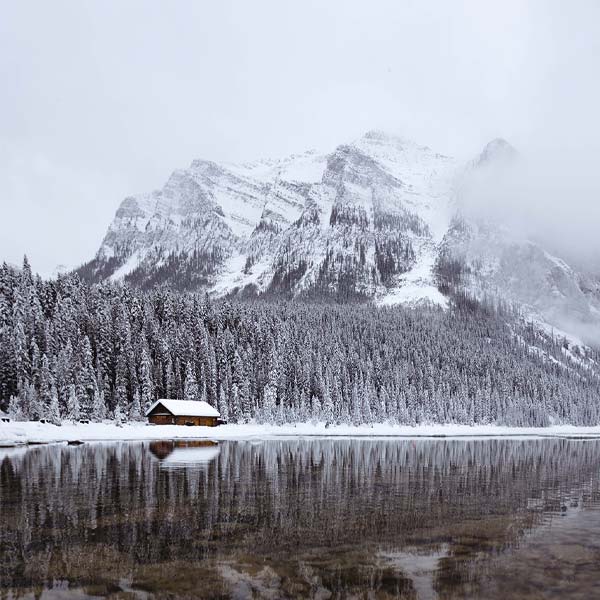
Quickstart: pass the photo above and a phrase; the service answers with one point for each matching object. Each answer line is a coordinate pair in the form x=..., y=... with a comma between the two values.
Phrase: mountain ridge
x=375, y=219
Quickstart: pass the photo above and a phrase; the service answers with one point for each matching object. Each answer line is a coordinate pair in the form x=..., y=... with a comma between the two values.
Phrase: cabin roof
x=186, y=408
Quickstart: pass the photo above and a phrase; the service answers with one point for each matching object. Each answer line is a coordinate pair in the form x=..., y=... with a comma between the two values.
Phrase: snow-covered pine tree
x=190, y=388
x=223, y=404
x=327, y=410
x=246, y=402
x=135, y=412
x=53, y=412
x=269, y=401
x=45, y=386
x=235, y=415
x=120, y=390
x=146, y=387
x=73, y=407
x=64, y=374
x=34, y=409
x=119, y=414
x=315, y=416
x=15, y=409
x=98, y=405
x=86, y=379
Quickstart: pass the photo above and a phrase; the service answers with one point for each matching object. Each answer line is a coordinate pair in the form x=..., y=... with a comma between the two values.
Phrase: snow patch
x=417, y=285
x=233, y=276
x=130, y=265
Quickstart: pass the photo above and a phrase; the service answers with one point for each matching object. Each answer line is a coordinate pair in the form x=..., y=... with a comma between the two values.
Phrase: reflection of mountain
x=295, y=518
x=185, y=452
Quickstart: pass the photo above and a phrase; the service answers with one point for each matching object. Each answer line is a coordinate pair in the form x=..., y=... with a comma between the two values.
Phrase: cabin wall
x=182, y=420
x=162, y=419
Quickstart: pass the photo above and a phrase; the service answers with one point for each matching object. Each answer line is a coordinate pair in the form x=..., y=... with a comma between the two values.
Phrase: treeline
x=73, y=350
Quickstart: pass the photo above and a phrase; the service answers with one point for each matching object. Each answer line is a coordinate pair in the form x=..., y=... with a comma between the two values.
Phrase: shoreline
x=30, y=433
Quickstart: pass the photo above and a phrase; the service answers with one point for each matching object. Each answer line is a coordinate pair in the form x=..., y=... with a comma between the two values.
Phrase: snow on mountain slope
x=351, y=223
x=380, y=218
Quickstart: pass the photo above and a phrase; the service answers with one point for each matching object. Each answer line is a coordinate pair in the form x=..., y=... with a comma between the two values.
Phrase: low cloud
x=551, y=197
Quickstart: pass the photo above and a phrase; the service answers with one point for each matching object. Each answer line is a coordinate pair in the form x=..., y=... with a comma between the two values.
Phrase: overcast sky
x=104, y=99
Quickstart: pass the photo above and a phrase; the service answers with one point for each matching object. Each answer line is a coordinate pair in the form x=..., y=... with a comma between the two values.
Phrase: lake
x=302, y=518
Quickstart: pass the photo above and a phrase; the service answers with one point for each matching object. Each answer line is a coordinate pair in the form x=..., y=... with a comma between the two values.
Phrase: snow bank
x=16, y=433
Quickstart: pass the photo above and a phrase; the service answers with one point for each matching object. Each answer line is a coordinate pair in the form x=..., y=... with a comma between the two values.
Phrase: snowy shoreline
x=22, y=433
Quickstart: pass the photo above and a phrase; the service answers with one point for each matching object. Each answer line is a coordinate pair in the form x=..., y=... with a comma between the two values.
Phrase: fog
x=552, y=198
x=104, y=99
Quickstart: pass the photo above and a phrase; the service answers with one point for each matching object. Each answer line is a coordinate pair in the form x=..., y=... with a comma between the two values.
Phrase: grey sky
x=104, y=99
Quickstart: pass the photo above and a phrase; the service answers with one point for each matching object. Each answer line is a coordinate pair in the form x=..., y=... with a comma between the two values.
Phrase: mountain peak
x=498, y=150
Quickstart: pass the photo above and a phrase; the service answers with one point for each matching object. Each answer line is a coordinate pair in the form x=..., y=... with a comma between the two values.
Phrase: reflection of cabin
x=183, y=412
x=193, y=450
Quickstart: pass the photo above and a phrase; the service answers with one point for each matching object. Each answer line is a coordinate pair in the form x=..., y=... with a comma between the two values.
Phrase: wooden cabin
x=183, y=412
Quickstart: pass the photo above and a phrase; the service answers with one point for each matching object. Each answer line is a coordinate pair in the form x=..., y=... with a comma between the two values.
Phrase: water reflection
x=303, y=518
x=185, y=454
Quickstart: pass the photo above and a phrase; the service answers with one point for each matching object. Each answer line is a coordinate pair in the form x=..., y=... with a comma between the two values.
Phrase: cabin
x=183, y=412
x=4, y=418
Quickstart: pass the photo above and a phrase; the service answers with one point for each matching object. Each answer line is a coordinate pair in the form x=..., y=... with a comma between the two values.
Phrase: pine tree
x=53, y=409
x=356, y=410
x=120, y=390
x=146, y=381
x=327, y=414
x=246, y=402
x=64, y=374
x=236, y=407
x=21, y=356
x=35, y=409
x=86, y=380
x=269, y=403
x=73, y=408
x=190, y=389
x=119, y=414
x=15, y=409
x=98, y=406
x=46, y=382
x=315, y=409
x=223, y=407
x=135, y=412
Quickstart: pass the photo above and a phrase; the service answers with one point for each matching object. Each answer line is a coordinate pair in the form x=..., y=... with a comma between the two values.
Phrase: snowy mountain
x=380, y=218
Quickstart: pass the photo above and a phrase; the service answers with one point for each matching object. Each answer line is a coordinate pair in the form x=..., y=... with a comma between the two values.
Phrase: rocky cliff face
x=380, y=218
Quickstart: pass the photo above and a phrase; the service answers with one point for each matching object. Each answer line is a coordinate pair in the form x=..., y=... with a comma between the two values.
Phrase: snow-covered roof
x=186, y=408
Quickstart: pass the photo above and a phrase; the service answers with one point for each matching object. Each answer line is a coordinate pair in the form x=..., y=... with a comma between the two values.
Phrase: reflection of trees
x=319, y=513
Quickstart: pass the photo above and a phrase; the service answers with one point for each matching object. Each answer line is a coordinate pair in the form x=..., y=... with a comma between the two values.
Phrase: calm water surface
x=316, y=518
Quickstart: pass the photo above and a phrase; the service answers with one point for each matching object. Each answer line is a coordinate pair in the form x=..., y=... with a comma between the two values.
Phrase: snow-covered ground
x=16, y=433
